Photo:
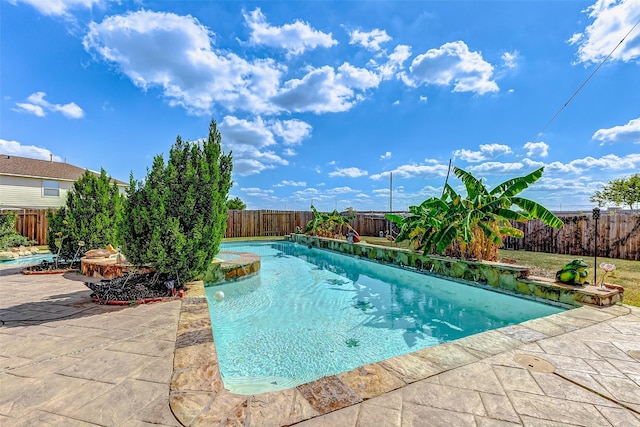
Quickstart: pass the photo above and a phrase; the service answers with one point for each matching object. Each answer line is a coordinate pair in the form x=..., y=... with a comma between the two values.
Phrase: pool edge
x=197, y=394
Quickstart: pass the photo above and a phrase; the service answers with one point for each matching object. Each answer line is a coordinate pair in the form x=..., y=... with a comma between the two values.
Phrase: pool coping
x=197, y=395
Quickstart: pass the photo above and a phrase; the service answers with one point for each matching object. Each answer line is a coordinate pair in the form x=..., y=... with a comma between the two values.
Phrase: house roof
x=35, y=168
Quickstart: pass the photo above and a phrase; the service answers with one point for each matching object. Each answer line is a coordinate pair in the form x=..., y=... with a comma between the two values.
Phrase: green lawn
x=627, y=273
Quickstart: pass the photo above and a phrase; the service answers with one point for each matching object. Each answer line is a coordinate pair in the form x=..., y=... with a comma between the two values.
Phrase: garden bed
x=135, y=288
x=46, y=267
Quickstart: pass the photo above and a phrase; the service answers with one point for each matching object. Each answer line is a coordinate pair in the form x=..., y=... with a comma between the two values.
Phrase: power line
x=585, y=82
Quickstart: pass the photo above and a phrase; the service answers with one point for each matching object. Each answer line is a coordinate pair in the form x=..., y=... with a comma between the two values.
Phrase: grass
x=627, y=273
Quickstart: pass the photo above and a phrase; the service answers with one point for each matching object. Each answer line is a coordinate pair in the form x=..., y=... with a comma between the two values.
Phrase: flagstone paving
x=66, y=361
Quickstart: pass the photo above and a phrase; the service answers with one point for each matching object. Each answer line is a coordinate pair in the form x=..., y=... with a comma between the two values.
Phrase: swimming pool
x=24, y=261
x=311, y=313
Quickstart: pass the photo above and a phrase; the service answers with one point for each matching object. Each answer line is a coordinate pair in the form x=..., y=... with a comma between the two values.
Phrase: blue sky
x=320, y=101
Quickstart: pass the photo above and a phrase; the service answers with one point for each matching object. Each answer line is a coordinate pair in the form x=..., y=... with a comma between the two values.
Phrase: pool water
x=311, y=313
x=24, y=261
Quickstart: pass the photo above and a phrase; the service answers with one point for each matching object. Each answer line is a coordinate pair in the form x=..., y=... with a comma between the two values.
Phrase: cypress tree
x=176, y=218
x=92, y=214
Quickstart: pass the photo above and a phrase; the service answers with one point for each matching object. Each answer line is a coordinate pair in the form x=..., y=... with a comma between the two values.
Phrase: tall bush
x=92, y=214
x=175, y=219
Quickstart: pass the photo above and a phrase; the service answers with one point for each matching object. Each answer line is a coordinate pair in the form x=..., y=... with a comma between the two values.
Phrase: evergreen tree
x=92, y=214
x=236, y=204
x=177, y=217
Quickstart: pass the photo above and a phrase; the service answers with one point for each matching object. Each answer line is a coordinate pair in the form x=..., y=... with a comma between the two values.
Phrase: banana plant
x=327, y=224
x=472, y=226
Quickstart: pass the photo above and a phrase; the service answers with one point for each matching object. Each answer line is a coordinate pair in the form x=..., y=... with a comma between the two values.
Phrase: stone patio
x=66, y=361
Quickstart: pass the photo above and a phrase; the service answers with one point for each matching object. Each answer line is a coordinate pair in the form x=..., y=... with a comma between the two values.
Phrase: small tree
x=92, y=214
x=621, y=191
x=175, y=219
x=236, y=204
x=9, y=237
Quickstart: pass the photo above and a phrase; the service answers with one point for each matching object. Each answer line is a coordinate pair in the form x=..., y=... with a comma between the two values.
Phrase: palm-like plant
x=473, y=226
x=327, y=224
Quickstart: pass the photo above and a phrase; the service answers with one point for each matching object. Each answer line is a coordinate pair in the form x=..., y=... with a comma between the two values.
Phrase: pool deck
x=67, y=361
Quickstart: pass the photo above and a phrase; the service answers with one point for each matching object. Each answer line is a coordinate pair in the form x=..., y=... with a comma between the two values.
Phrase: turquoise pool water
x=24, y=261
x=312, y=313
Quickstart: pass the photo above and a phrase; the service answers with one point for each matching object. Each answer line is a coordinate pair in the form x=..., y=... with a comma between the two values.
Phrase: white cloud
x=175, y=53
x=487, y=151
x=320, y=91
x=608, y=162
x=257, y=192
x=36, y=110
x=295, y=38
x=625, y=133
x=17, y=149
x=289, y=152
x=430, y=169
x=370, y=40
x=452, y=64
x=38, y=106
x=538, y=149
x=491, y=168
x=59, y=7
x=293, y=131
x=396, y=102
x=286, y=183
x=348, y=172
x=510, y=59
x=394, y=62
x=340, y=190
x=359, y=78
x=612, y=20
x=423, y=98
x=576, y=185
x=386, y=155
x=248, y=141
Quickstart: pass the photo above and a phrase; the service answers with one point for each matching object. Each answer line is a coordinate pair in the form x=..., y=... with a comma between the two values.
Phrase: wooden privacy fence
x=618, y=233
x=618, y=236
x=31, y=223
x=278, y=223
x=265, y=222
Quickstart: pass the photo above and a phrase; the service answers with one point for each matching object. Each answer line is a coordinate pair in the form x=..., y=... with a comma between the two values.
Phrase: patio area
x=65, y=360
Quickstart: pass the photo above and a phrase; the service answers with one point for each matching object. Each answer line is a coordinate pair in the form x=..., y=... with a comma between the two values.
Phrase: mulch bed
x=134, y=289
x=46, y=267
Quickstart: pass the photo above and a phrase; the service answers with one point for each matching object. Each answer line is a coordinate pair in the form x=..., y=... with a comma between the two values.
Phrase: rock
x=97, y=253
x=8, y=256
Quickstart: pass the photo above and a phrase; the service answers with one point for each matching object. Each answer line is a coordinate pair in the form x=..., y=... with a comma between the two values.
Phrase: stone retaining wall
x=497, y=276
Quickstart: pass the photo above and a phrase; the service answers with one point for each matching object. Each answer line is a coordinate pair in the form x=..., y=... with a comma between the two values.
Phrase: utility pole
x=390, y=192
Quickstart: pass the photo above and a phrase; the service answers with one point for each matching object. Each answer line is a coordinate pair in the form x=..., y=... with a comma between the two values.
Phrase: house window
x=50, y=188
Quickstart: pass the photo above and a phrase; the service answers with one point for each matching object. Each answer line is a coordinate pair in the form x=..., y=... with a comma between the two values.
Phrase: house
x=30, y=187
x=37, y=184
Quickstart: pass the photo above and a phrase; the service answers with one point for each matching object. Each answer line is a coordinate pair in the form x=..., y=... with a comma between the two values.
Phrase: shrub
x=91, y=214
x=175, y=219
x=9, y=237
